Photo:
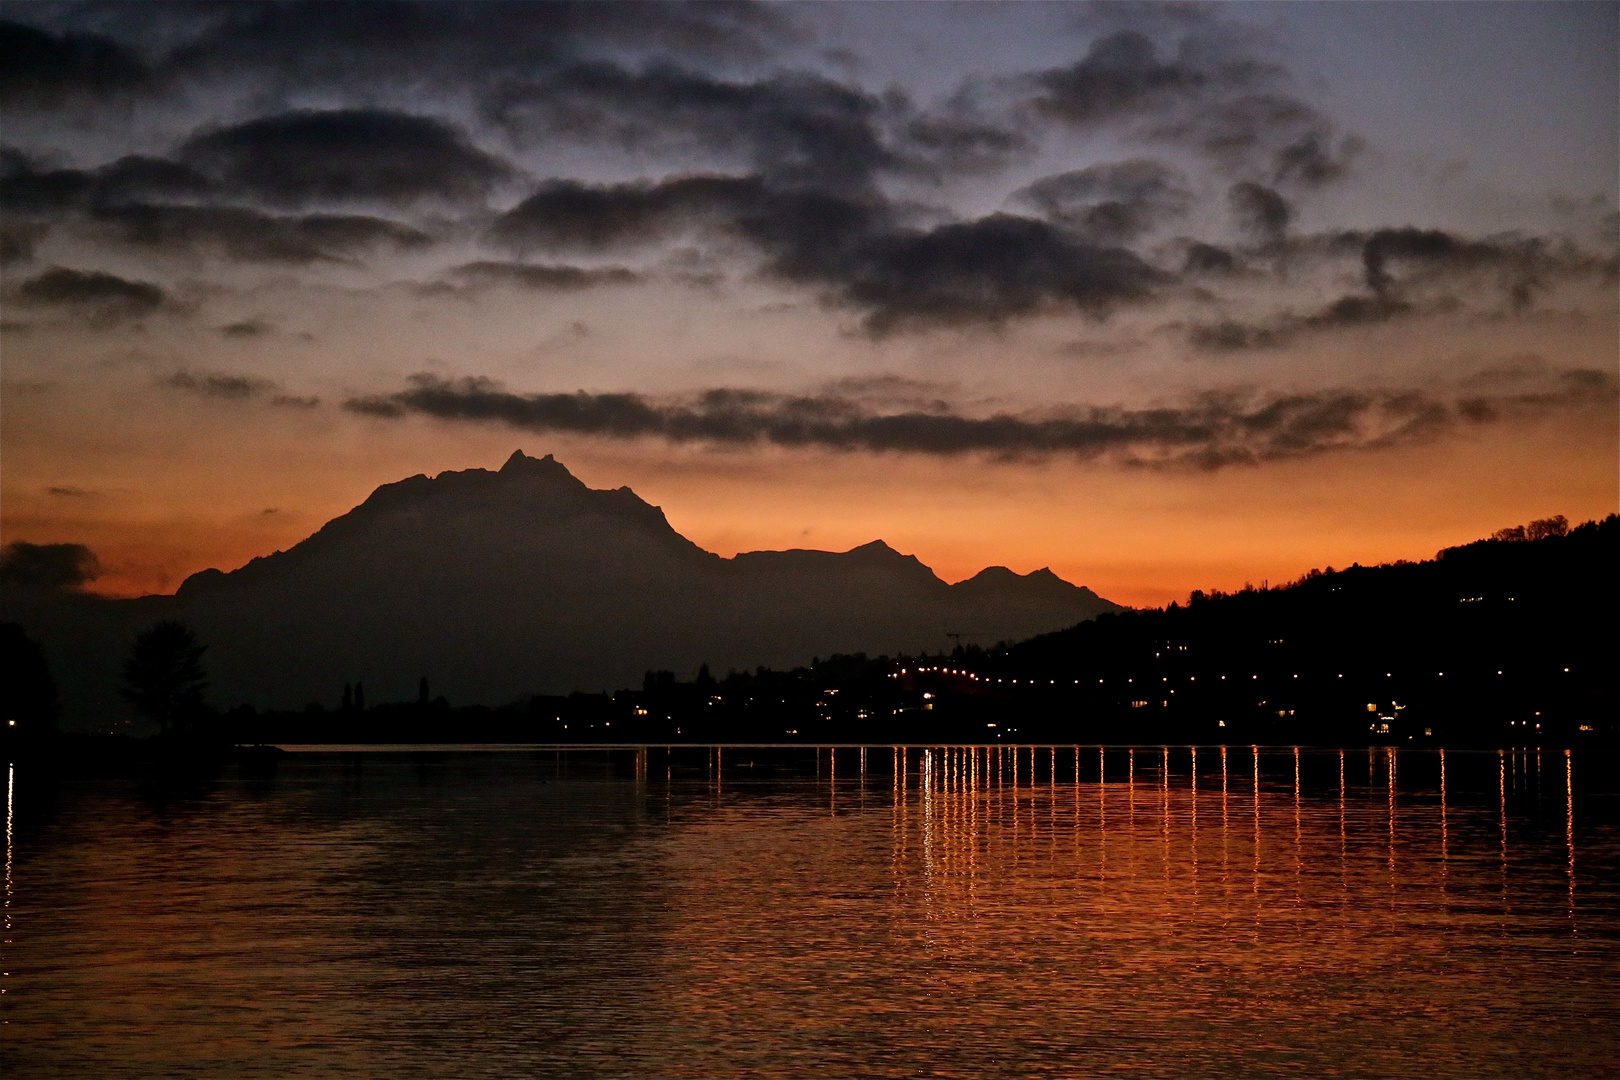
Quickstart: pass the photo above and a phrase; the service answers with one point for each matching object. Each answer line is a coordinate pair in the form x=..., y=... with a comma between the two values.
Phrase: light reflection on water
x=872, y=910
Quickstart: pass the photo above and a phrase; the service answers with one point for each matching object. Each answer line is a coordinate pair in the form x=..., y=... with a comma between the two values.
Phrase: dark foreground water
x=785, y=913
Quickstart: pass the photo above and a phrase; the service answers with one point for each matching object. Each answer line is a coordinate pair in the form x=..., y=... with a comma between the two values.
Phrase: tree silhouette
x=27, y=692
x=163, y=677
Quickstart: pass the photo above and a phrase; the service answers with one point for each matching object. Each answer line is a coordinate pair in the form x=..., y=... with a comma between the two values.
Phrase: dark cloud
x=543, y=278
x=108, y=295
x=217, y=385
x=454, y=43
x=956, y=141
x=300, y=47
x=1410, y=272
x=226, y=387
x=1217, y=429
x=1209, y=259
x=297, y=158
x=48, y=566
x=987, y=271
x=1122, y=75
x=18, y=241
x=137, y=179
x=1260, y=212
x=1209, y=93
x=791, y=128
x=1432, y=248
x=30, y=189
x=155, y=202
x=246, y=328
x=27, y=187
x=40, y=69
x=1344, y=313
x=1275, y=135
x=853, y=248
x=1398, y=262
x=572, y=215
x=1230, y=335
x=1110, y=203
x=251, y=235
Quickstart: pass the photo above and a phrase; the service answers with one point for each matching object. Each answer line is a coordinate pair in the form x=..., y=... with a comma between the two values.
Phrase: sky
x=1161, y=296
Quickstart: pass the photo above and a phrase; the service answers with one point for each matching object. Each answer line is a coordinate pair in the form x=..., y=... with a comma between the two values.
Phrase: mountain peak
x=521, y=464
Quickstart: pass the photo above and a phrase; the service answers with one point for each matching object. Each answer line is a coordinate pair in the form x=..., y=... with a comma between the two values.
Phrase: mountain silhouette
x=495, y=585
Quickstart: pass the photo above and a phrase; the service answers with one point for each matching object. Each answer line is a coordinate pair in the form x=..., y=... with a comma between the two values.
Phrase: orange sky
x=1063, y=258
x=1137, y=537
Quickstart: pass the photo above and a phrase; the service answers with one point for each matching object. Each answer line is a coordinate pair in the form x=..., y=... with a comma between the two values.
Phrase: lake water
x=775, y=912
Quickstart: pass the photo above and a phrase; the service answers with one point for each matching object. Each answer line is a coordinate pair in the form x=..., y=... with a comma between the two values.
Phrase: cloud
x=111, y=297
x=222, y=386
x=1212, y=94
x=1111, y=203
x=254, y=236
x=297, y=158
x=792, y=128
x=1260, y=212
x=216, y=385
x=958, y=142
x=452, y=44
x=573, y=215
x=69, y=492
x=1122, y=75
x=246, y=328
x=28, y=188
x=543, y=278
x=48, y=566
x=155, y=202
x=134, y=179
x=305, y=47
x=1436, y=250
x=1209, y=259
x=982, y=271
x=41, y=70
x=19, y=241
x=1407, y=272
x=1215, y=430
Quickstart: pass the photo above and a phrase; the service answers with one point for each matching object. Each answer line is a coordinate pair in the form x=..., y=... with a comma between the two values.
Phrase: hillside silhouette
x=499, y=585
x=1508, y=642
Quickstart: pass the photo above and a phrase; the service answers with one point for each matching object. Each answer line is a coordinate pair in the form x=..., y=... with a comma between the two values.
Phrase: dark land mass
x=1503, y=642
x=499, y=585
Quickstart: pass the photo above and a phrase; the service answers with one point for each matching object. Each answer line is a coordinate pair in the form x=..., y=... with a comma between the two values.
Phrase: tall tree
x=27, y=692
x=163, y=677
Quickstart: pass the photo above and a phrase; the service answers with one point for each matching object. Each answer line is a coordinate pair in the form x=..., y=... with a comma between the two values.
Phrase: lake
x=879, y=911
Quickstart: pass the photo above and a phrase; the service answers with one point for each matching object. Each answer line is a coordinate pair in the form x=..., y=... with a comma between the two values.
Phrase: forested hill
x=1485, y=641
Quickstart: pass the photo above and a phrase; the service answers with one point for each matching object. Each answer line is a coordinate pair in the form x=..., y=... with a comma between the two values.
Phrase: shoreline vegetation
x=1505, y=642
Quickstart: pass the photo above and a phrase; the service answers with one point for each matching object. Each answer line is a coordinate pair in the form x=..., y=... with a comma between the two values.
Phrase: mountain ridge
x=498, y=584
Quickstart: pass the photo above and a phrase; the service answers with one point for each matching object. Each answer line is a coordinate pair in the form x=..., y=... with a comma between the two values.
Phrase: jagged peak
x=548, y=467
